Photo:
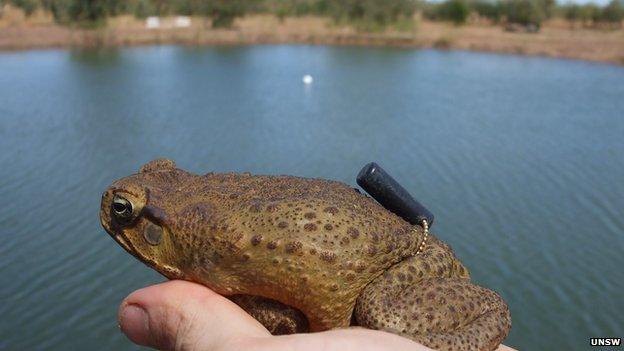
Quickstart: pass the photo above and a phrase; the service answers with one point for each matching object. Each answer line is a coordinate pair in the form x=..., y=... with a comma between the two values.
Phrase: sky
x=597, y=2
x=580, y=2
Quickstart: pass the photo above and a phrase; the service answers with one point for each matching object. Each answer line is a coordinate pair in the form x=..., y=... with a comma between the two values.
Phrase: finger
x=184, y=316
x=359, y=339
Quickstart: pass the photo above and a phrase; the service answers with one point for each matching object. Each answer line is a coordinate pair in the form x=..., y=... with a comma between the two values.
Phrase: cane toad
x=302, y=255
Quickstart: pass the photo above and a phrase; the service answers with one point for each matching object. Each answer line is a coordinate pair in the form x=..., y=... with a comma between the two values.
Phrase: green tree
x=143, y=9
x=571, y=12
x=454, y=10
x=28, y=6
x=283, y=8
x=223, y=12
x=524, y=12
x=589, y=14
x=488, y=9
x=370, y=14
x=546, y=7
x=84, y=12
x=613, y=13
x=87, y=10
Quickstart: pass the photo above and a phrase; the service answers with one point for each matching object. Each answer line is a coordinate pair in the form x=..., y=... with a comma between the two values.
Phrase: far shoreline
x=554, y=40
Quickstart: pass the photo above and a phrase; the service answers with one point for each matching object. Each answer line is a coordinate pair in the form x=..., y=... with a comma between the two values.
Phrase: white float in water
x=307, y=79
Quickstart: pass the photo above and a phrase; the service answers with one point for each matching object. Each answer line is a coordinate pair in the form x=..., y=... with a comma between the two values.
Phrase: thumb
x=184, y=316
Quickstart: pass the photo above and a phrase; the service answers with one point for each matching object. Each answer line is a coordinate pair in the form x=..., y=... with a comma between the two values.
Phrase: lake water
x=521, y=159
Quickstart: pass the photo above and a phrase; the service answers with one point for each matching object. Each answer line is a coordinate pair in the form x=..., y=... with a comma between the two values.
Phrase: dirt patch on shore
x=554, y=40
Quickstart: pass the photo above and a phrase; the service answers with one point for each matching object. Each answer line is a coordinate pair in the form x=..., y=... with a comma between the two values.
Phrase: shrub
x=523, y=12
x=144, y=9
x=283, y=8
x=613, y=13
x=28, y=6
x=223, y=12
x=547, y=7
x=370, y=14
x=571, y=12
x=451, y=10
x=82, y=12
x=488, y=9
x=455, y=11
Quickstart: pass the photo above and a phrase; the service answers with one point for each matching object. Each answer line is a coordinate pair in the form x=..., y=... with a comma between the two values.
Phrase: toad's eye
x=122, y=208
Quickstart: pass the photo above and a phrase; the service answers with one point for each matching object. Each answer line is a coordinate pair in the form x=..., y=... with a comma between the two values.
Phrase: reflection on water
x=96, y=56
x=519, y=158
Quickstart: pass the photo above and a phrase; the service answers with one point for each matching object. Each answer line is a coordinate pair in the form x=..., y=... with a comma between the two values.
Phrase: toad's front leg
x=276, y=317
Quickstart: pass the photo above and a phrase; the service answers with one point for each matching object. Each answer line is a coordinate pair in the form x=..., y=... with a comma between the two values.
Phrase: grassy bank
x=556, y=38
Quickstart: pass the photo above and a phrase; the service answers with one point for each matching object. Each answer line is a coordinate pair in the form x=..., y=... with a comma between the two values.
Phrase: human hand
x=184, y=316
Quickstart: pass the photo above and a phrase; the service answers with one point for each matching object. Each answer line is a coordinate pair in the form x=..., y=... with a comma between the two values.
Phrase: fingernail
x=134, y=323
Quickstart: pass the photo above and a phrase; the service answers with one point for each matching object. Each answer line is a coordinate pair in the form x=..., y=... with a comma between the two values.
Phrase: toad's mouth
x=166, y=270
x=124, y=243
x=105, y=219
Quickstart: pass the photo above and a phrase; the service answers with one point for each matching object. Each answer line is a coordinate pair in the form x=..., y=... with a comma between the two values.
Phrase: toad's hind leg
x=441, y=310
x=278, y=318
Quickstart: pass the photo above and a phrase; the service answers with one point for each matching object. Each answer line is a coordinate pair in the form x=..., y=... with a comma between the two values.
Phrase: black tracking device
x=391, y=195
